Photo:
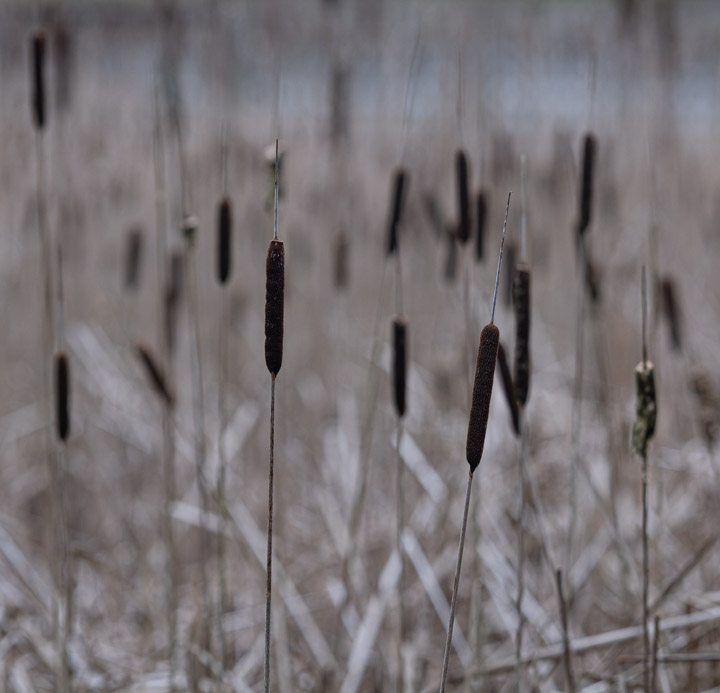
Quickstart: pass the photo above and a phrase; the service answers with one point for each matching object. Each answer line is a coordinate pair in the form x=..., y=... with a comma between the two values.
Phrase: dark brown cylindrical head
x=400, y=344
x=400, y=182
x=274, y=305
x=154, y=373
x=480, y=218
x=340, y=273
x=521, y=303
x=62, y=396
x=508, y=388
x=133, y=258
x=671, y=308
x=38, y=78
x=482, y=391
x=586, y=183
x=224, y=241
x=463, y=196
x=645, y=408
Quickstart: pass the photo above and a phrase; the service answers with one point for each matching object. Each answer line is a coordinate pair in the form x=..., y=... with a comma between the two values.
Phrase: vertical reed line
x=477, y=428
x=274, y=318
x=643, y=430
x=224, y=269
x=567, y=661
x=164, y=342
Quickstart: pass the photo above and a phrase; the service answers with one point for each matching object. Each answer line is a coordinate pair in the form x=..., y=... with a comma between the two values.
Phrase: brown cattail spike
x=274, y=305
x=154, y=373
x=521, y=302
x=646, y=407
x=463, y=196
x=586, y=183
x=342, y=249
x=133, y=259
x=508, y=389
x=671, y=309
x=480, y=218
x=38, y=79
x=482, y=391
x=224, y=241
x=62, y=395
x=400, y=182
x=399, y=333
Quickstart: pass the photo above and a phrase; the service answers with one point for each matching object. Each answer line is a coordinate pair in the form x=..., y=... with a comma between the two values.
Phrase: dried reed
x=567, y=661
x=477, y=427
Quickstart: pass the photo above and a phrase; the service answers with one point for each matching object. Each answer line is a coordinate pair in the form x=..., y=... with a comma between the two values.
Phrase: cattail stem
x=521, y=556
x=654, y=666
x=567, y=661
x=268, y=580
x=456, y=582
x=399, y=528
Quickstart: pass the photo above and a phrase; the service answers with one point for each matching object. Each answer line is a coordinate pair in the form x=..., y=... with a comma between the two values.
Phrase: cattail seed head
x=340, y=274
x=38, y=79
x=224, y=241
x=671, y=309
x=133, y=258
x=586, y=183
x=400, y=182
x=480, y=218
x=154, y=373
x=463, y=196
x=274, y=305
x=62, y=396
x=646, y=407
x=507, y=383
x=400, y=345
x=482, y=391
x=521, y=302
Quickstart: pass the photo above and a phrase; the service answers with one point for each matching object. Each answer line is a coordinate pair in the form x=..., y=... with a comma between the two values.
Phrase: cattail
x=274, y=305
x=482, y=390
x=521, y=302
x=399, y=333
x=154, y=373
x=62, y=395
x=646, y=407
x=224, y=241
x=450, y=270
x=463, y=196
x=400, y=182
x=592, y=280
x=671, y=308
x=586, y=184
x=340, y=274
x=38, y=79
x=510, y=263
x=480, y=218
x=508, y=389
x=133, y=258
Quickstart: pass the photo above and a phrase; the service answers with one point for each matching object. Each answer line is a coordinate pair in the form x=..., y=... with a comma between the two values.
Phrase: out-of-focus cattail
x=133, y=258
x=341, y=270
x=480, y=219
x=274, y=305
x=154, y=373
x=434, y=213
x=586, y=183
x=708, y=405
x=508, y=388
x=62, y=395
x=671, y=309
x=482, y=391
x=224, y=241
x=463, y=196
x=521, y=302
x=173, y=295
x=510, y=262
x=400, y=182
x=38, y=79
x=592, y=280
x=646, y=407
x=399, y=333
x=450, y=271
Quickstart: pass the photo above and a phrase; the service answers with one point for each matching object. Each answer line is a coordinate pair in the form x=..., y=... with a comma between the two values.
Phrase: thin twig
x=567, y=663
x=268, y=581
x=521, y=555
